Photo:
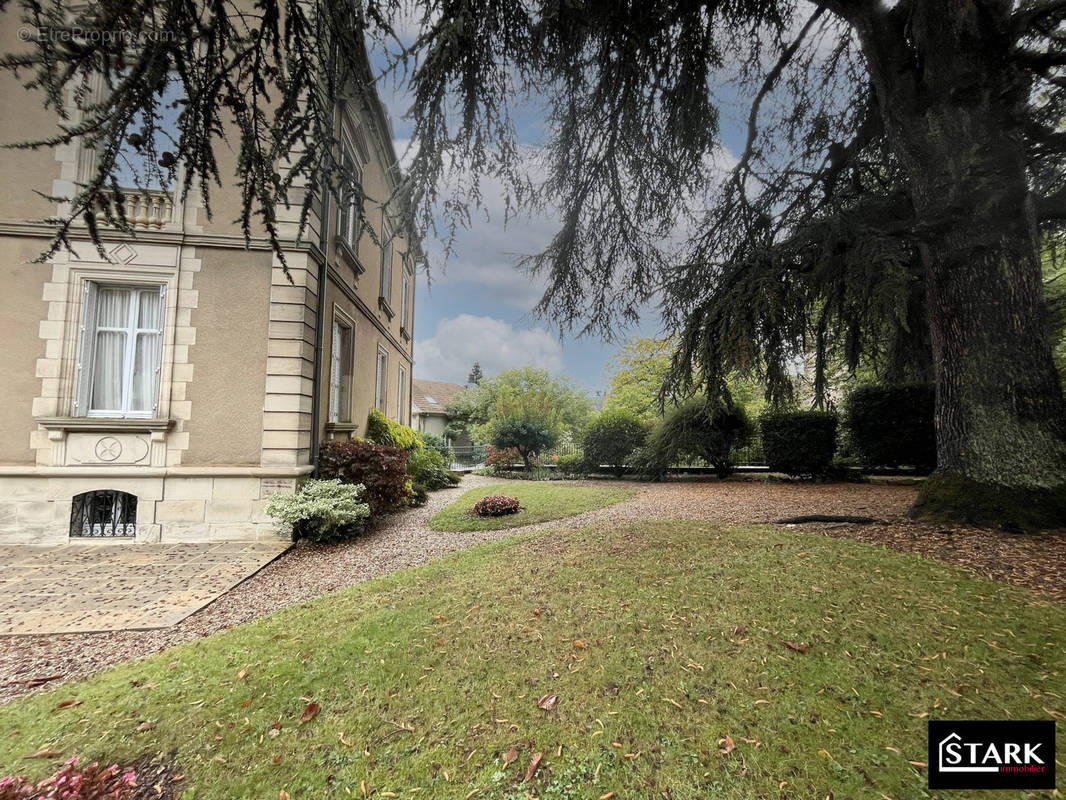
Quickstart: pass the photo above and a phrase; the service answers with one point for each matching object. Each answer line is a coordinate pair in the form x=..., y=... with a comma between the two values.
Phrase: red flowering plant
x=495, y=505
x=72, y=782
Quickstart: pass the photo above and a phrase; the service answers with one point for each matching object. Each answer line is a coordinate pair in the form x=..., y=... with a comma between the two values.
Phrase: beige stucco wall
x=23, y=117
x=21, y=312
x=229, y=357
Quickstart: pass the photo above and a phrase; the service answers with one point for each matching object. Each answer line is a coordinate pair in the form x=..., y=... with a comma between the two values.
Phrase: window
x=121, y=351
x=340, y=373
x=386, y=260
x=401, y=396
x=104, y=513
x=405, y=303
x=133, y=167
x=350, y=199
x=380, y=391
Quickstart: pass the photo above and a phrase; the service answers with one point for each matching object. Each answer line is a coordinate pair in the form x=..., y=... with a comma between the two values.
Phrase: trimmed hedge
x=610, y=438
x=382, y=470
x=800, y=443
x=892, y=426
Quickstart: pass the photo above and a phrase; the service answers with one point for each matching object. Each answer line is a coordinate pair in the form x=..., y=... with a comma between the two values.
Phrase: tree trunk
x=952, y=103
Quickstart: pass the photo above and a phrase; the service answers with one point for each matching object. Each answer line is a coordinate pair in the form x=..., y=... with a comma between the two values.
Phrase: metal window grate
x=104, y=513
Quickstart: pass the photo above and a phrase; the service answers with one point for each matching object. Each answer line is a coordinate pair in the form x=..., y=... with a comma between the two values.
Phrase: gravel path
x=405, y=540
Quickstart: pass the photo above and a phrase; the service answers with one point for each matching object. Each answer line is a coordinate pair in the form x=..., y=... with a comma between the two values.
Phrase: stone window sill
x=384, y=305
x=345, y=251
x=125, y=424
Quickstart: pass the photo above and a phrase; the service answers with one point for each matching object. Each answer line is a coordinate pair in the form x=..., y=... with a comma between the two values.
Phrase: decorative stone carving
x=113, y=449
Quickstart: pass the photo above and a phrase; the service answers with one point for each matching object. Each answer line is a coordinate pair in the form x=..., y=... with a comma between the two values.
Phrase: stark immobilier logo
x=991, y=755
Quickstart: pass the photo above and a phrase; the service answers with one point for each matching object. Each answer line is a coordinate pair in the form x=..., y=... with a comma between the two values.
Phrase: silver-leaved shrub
x=322, y=511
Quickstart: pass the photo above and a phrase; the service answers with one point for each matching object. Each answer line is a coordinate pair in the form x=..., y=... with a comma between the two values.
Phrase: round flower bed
x=496, y=505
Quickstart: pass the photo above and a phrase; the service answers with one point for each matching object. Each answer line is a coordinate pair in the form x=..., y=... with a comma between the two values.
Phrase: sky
x=476, y=306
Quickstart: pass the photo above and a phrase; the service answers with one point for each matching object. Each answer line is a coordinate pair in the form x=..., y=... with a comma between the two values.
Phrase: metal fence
x=472, y=456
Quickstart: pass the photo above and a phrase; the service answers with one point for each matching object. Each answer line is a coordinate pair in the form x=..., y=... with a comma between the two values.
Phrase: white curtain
x=147, y=352
x=112, y=319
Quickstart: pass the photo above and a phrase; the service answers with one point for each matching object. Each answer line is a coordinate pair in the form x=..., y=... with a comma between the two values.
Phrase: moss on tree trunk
x=953, y=122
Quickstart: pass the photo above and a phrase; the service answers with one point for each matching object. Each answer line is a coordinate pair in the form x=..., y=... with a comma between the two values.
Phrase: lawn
x=664, y=643
x=541, y=501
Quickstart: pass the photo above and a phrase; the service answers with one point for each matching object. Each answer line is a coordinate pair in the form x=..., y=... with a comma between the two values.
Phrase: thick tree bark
x=952, y=103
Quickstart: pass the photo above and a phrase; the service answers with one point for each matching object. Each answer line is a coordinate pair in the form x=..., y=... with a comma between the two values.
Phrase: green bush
x=800, y=443
x=700, y=429
x=322, y=511
x=571, y=464
x=428, y=469
x=381, y=469
x=382, y=430
x=892, y=426
x=610, y=438
x=438, y=443
x=419, y=494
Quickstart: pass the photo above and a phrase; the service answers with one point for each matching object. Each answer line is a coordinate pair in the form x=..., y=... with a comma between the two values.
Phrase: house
x=428, y=403
x=163, y=393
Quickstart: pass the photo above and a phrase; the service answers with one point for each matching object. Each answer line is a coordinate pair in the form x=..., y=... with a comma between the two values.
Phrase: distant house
x=429, y=400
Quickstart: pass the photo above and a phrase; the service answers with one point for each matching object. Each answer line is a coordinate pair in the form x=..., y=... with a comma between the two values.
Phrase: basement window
x=104, y=513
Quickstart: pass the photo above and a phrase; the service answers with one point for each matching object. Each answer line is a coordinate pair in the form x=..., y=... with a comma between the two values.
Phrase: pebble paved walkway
x=81, y=588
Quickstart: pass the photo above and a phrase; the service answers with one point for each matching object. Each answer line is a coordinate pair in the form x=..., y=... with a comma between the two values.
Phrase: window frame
x=405, y=302
x=86, y=365
x=340, y=412
x=350, y=198
x=387, y=257
x=381, y=381
x=401, y=392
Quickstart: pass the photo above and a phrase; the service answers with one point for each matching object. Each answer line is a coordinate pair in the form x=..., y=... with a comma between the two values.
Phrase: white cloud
x=495, y=344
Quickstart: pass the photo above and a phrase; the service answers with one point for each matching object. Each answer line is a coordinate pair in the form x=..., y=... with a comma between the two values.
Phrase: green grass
x=428, y=677
x=541, y=501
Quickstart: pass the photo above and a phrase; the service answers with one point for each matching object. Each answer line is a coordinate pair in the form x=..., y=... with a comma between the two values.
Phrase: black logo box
x=1038, y=734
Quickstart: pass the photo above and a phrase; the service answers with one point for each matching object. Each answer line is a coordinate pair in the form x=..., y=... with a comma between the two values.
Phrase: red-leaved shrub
x=381, y=469
x=503, y=457
x=92, y=782
x=496, y=505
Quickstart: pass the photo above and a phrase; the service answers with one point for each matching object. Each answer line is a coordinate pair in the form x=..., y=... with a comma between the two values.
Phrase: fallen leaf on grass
x=275, y=729
x=310, y=712
x=607, y=796
x=534, y=762
x=799, y=648
x=67, y=704
x=32, y=683
x=241, y=673
x=283, y=795
x=726, y=744
x=548, y=701
x=145, y=726
x=510, y=756
x=739, y=630
x=918, y=764
x=580, y=645
x=277, y=758
x=673, y=702
x=43, y=754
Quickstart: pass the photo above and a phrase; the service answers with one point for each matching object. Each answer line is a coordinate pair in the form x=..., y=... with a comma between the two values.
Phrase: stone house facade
x=165, y=392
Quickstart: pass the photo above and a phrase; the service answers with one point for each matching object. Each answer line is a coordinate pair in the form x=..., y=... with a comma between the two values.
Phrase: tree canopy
x=524, y=393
